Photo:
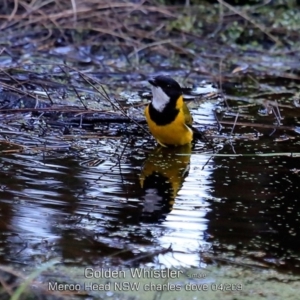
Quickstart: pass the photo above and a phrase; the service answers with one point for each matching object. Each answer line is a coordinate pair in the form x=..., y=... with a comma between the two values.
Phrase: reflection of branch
x=152, y=254
x=291, y=128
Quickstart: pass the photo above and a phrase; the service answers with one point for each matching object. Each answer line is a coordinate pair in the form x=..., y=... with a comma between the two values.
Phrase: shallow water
x=139, y=205
x=61, y=207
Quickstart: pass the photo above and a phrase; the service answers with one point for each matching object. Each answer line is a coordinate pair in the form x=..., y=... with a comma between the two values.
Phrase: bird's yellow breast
x=175, y=133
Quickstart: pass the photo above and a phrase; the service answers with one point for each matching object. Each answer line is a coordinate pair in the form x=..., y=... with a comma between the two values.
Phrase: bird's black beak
x=152, y=82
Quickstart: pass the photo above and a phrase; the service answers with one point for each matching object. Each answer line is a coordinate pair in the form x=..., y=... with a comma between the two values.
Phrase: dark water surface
x=137, y=202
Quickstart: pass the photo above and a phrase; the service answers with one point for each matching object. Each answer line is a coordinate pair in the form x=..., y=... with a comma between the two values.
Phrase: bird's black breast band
x=167, y=116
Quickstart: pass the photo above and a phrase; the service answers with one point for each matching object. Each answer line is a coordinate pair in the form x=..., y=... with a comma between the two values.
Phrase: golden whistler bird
x=168, y=117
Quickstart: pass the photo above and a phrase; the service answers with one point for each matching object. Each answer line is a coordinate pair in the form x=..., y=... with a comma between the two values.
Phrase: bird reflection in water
x=162, y=177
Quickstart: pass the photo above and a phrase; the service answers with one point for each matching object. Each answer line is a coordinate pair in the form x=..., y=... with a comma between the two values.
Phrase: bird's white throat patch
x=160, y=98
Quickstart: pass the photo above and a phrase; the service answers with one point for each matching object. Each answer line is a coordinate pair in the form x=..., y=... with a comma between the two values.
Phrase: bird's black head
x=166, y=91
x=167, y=84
